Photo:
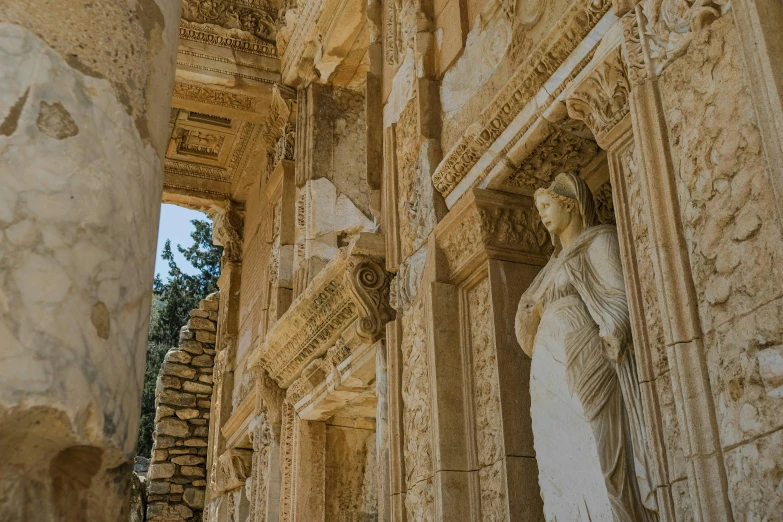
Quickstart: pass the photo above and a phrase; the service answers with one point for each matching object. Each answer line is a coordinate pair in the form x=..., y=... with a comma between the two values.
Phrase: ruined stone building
x=370, y=168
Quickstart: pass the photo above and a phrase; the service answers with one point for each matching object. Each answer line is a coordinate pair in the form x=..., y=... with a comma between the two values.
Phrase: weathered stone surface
x=196, y=387
x=205, y=337
x=173, y=427
x=202, y=360
x=187, y=414
x=174, y=398
x=192, y=471
x=188, y=460
x=178, y=356
x=194, y=498
x=177, y=370
x=200, y=323
x=161, y=471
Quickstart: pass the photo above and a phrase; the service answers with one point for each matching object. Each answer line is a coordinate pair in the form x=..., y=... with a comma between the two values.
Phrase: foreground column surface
x=84, y=107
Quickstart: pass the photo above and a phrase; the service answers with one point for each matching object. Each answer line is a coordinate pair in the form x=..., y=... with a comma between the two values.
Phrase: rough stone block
x=202, y=360
x=188, y=414
x=199, y=483
x=201, y=431
x=204, y=404
x=194, y=498
x=206, y=378
x=192, y=471
x=158, y=487
x=161, y=471
x=159, y=455
x=210, y=302
x=169, y=381
x=192, y=346
x=198, y=422
x=205, y=337
x=176, y=398
x=176, y=488
x=197, y=387
x=173, y=427
x=199, y=313
x=162, y=442
x=178, y=356
x=178, y=370
x=196, y=443
x=163, y=411
x=199, y=323
x=184, y=333
x=188, y=460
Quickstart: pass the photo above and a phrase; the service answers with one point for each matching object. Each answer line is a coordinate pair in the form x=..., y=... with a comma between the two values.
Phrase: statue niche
x=573, y=321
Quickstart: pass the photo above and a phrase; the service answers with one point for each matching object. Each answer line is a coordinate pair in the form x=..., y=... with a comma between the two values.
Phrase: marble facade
x=370, y=171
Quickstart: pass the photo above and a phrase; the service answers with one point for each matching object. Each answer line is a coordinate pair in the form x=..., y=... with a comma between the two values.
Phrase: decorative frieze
x=601, y=99
x=530, y=78
x=562, y=151
x=657, y=32
x=250, y=16
x=352, y=290
x=492, y=223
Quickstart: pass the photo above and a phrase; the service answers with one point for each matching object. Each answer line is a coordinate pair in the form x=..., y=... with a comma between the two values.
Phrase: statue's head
x=567, y=202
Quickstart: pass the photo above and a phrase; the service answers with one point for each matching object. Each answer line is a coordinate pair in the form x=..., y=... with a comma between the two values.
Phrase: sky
x=175, y=225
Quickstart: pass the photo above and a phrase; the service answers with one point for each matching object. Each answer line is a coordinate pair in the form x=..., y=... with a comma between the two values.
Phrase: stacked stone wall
x=177, y=475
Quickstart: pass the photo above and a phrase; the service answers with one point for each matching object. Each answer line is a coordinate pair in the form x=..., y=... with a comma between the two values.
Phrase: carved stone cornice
x=561, y=151
x=562, y=40
x=489, y=224
x=657, y=32
x=234, y=19
x=227, y=225
x=271, y=395
x=601, y=99
x=352, y=291
x=234, y=468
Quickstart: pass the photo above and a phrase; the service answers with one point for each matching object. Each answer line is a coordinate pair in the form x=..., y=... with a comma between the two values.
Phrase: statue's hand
x=613, y=348
x=526, y=325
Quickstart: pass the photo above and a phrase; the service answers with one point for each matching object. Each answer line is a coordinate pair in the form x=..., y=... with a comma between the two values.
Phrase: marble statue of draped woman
x=573, y=321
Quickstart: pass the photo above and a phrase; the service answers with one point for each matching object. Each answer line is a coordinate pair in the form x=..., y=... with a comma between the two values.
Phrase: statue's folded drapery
x=600, y=361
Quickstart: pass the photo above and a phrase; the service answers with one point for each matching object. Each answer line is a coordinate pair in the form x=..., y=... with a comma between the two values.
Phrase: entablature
x=349, y=299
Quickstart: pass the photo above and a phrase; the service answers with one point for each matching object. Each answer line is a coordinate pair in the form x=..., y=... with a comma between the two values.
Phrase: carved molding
x=657, y=32
x=227, y=225
x=561, y=151
x=352, y=290
x=544, y=60
x=271, y=395
x=234, y=468
x=204, y=94
x=601, y=99
x=492, y=224
x=488, y=222
x=251, y=17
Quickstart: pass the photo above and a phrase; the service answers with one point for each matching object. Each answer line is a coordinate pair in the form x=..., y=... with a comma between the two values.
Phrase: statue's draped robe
x=583, y=284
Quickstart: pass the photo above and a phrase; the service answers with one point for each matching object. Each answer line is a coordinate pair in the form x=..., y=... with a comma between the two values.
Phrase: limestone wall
x=177, y=476
x=735, y=243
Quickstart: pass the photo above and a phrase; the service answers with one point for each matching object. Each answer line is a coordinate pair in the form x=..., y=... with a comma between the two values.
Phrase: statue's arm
x=603, y=291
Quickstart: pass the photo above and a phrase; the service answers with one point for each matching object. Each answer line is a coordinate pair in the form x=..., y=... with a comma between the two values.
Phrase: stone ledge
x=351, y=291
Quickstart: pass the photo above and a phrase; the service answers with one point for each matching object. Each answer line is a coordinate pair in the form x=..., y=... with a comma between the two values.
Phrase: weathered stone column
x=84, y=109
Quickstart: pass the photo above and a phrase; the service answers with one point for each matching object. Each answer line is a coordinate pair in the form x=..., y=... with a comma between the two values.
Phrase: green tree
x=172, y=302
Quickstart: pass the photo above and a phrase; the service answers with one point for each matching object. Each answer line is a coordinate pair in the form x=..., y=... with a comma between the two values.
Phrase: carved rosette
x=369, y=286
x=601, y=100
